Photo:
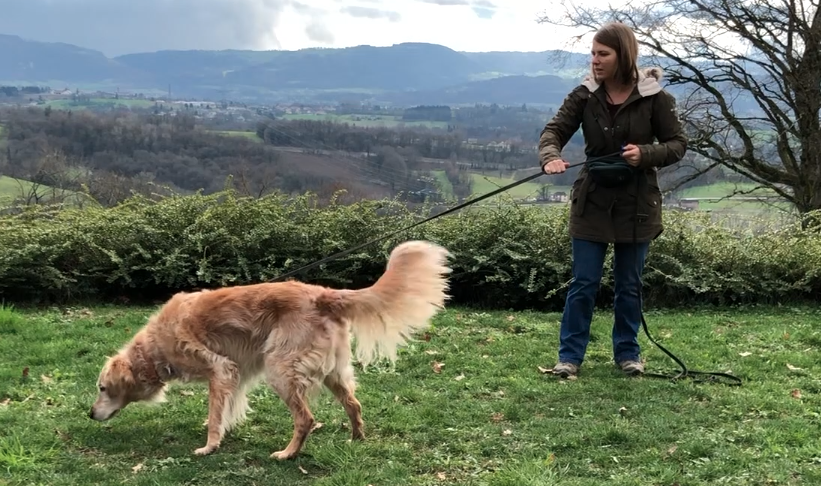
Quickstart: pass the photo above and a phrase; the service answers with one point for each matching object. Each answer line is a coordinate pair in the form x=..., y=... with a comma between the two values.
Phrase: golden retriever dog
x=293, y=335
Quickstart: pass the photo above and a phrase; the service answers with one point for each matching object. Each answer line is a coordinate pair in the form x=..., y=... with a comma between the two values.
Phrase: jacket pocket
x=652, y=202
x=578, y=194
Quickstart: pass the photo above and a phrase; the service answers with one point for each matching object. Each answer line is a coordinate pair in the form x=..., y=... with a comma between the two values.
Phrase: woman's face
x=604, y=62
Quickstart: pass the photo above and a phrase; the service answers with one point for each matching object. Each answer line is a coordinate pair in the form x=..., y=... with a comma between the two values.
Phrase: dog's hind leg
x=221, y=388
x=292, y=387
x=342, y=385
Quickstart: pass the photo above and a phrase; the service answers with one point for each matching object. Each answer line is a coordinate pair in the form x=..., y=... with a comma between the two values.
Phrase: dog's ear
x=120, y=367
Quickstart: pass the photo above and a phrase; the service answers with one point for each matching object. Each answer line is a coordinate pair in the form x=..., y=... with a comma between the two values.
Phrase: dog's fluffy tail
x=404, y=299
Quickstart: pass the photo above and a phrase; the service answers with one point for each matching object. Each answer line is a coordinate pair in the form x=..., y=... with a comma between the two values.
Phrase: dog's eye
x=102, y=388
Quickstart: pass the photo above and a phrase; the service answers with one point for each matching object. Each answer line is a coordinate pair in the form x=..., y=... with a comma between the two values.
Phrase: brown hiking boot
x=630, y=367
x=565, y=370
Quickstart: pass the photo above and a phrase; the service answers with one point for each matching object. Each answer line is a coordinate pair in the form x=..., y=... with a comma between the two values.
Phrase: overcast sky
x=124, y=26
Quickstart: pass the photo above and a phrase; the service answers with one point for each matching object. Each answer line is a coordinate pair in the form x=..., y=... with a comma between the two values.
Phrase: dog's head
x=121, y=382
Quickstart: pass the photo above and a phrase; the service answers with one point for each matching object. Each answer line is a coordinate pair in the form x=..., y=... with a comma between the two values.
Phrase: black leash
x=431, y=218
x=710, y=376
x=684, y=373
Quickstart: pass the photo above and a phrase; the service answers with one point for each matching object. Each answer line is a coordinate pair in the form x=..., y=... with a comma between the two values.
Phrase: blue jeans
x=588, y=264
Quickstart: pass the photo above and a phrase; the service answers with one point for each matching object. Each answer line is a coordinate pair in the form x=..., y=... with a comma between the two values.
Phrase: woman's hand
x=632, y=154
x=555, y=166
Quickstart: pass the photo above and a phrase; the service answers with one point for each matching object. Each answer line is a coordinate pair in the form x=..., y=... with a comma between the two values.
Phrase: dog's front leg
x=220, y=389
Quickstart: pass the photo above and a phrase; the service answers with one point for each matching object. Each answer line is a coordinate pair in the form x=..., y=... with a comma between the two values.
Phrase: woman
x=620, y=109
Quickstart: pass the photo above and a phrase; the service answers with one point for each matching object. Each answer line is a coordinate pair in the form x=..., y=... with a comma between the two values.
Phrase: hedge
x=505, y=255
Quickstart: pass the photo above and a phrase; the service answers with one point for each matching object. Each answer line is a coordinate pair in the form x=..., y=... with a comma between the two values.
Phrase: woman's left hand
x=632, y=154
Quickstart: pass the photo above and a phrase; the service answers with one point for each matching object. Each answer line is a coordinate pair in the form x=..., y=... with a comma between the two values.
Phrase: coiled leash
x=614, y=172
x=600, y=162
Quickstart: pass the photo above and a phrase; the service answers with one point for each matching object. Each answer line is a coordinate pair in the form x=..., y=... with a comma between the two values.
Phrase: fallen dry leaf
x=26, y=372
x=794, y=368
x=545, y=371
x=507, y=432
x=744, y=354
x=137, y=468
x=497, y=417
x=796, y=393
x=186, y=393
x=510, y=318
x=441, y=476
x=427, y=337
x=672, y=449
x=431, y=352
x=572, y=377
x=437, y=366
x=317, y=426
x=302, y=470
x=460, y=377
x=46, y=379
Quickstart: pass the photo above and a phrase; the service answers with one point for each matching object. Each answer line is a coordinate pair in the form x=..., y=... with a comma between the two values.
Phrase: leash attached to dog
x=684, y=373
x=431, y=218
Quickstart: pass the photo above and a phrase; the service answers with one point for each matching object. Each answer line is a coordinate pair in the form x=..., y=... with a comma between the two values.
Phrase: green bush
x=505, y=256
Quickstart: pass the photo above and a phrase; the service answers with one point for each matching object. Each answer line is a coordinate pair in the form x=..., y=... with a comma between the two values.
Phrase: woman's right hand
x=555, y=166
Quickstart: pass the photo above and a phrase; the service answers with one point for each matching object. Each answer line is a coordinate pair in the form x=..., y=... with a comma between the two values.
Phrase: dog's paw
x=204, y=451
x=282, y=455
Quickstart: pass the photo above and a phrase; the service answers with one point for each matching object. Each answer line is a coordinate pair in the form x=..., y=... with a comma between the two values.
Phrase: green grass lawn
x=487, y=417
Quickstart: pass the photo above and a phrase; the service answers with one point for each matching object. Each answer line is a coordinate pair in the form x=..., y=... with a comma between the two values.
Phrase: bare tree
x=748, y=72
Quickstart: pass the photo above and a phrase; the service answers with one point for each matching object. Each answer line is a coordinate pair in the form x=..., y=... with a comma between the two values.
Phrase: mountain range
x=407, y=74
x=404, y=74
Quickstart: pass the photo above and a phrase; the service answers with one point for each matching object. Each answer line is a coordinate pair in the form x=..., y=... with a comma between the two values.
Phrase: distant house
x=687, y=203
x=559, y=196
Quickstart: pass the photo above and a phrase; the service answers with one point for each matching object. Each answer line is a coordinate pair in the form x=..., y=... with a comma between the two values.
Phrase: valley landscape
x=127, y=177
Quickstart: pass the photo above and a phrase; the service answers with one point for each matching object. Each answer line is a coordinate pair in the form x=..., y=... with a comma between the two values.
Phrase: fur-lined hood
x=648, y=81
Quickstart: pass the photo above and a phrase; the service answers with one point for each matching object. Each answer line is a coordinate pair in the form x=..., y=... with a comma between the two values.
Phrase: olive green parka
x=606, y=214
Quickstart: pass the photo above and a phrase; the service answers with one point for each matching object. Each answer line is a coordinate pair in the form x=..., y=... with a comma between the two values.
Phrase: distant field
x=240, y=133
x=11, y=189
x=483, y=184
x=387, y=121
x=445, y=187
x=722, y=189
x=98, y=103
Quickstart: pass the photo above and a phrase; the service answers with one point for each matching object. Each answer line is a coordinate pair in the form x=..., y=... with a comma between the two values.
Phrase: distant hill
x=507, y=90
x=403, y=74
x=269, y=76
x=26, y=61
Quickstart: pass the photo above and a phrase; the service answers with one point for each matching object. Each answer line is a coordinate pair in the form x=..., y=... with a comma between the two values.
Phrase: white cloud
x=122, y=26
x=464, y=25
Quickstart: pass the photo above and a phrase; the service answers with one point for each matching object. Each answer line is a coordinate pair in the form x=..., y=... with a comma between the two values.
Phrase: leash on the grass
x=684, y=373
x=431, y=218
x=710, y=376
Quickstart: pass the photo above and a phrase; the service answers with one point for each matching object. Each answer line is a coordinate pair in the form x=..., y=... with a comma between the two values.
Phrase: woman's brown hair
x=621, y=39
